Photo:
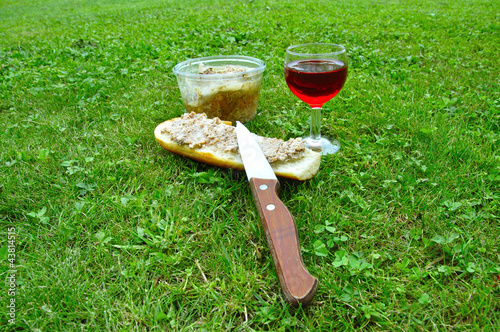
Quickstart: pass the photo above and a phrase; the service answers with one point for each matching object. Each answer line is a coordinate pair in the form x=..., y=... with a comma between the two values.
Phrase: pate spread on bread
x=214, y=142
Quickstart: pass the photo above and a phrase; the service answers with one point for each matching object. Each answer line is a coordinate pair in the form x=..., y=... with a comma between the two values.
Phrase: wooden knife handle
x=297, y=284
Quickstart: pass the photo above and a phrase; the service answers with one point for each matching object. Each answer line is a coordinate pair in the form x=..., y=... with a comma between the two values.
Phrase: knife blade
x=297, y=284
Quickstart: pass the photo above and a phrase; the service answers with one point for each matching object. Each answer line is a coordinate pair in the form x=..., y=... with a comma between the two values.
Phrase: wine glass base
x=323, y=145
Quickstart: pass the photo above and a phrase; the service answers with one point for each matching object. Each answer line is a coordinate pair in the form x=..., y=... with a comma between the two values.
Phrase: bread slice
x=302, y=168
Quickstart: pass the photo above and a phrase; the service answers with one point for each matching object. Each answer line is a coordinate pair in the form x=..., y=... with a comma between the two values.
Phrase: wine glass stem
x=316, y=123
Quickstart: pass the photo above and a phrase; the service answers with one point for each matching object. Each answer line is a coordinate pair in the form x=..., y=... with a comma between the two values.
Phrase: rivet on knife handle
x=297, y=284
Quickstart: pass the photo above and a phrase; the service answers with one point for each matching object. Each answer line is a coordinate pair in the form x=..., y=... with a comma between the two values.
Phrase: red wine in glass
x=315, y=81
x=315, y=73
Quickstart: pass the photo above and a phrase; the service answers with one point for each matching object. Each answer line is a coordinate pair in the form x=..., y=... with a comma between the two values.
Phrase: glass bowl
x=226, y=87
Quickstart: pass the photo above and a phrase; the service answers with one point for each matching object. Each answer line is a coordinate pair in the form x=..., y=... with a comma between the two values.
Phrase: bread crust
x=299, y=169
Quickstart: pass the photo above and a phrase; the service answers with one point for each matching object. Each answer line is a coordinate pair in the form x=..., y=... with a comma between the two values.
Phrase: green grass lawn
x=111, y=232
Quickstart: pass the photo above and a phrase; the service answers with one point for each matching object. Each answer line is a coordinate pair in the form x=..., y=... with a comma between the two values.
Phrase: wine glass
x=315, y=73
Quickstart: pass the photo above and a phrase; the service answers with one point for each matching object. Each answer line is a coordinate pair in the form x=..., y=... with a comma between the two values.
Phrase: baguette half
x=302, y=168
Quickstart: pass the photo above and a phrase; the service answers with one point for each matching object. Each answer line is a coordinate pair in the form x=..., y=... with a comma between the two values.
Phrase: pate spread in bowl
x=226, y=87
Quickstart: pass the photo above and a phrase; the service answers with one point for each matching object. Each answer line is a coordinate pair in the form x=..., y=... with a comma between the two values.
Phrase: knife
x=297, y=284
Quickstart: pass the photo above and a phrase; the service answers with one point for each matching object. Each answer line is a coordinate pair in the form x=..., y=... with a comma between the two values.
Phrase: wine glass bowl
x=316, y=73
